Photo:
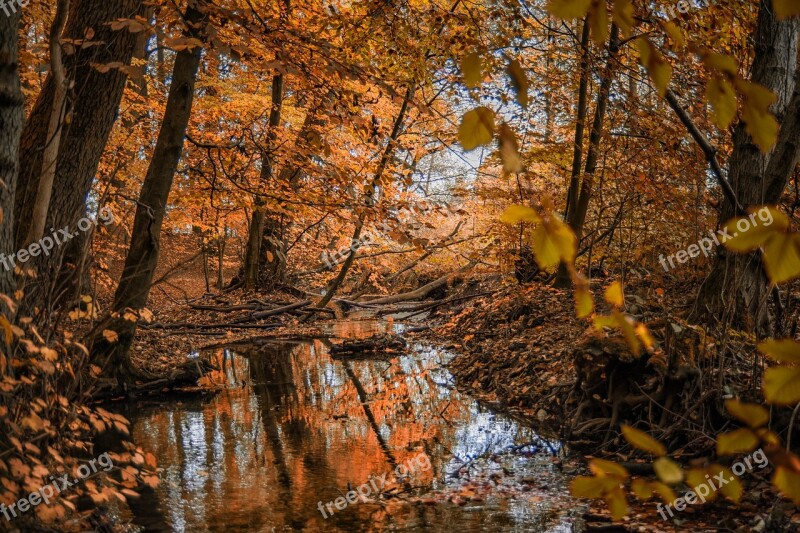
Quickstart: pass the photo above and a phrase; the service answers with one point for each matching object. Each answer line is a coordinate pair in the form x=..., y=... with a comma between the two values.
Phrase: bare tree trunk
x=737, y=288
x=54, y=127
x=142, y=258
x=12, y=117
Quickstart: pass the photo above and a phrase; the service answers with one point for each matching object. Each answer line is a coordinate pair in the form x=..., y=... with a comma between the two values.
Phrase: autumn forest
x=399, y=265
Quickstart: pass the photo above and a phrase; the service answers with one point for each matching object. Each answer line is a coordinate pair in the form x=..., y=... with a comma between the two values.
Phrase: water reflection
x=295, y=427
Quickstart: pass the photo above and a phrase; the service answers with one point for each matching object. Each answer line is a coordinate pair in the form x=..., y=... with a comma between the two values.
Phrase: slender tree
x=142, y=258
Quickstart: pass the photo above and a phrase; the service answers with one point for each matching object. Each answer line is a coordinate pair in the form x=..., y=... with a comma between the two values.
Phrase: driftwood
x=272, y=312
x=231, y=325
x=423, y=291
x=427, y=306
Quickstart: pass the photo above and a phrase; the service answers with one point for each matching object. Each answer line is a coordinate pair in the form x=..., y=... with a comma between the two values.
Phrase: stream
x=295, y=430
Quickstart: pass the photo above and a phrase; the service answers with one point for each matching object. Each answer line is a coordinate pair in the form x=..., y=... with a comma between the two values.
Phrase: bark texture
x=737, y=288
x=11, y=121
x=95, y=99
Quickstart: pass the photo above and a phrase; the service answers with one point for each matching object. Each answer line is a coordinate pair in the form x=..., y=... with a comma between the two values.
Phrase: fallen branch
x=428, y=306
x=423, y=291
x=273, y=312
x=230, y=325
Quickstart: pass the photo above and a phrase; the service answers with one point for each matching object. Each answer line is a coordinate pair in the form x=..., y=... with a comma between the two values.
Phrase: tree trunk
x=95, y=98
x=142, y=258
x=12, y=117
x=578, y=201
x=737, y=289
x=253, y=255
x=54, y=127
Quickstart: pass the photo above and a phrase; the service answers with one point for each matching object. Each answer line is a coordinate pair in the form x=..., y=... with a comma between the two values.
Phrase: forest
x=399, y=265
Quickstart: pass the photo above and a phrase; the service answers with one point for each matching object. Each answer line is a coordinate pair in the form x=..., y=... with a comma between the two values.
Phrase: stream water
x=295, y=430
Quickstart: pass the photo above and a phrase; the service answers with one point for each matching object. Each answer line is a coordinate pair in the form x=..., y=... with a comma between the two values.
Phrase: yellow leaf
x=644, y=335
x=519, y=213
x=665, y=491
x=751, y=232
x=762, y=127
x=760, y=123
x=472, y=69
x=668, y=471
x=553, y=242
x=584, y=304
x=642, y=489
x=617, y=504
x=782, y=351
x=659, y=69
x=519, y=80
x=674, y=33
x=782, y=385
x=601, y=467
x=477, y=128
x=739, y=441
x=785, y=9
x=751, y=414
x=695, y=477
x=568, y=9
x=509, y=150
x=623, y=16
x=544, y=248
x=604, y=321
x=642, y=441
x=733, y=490
x=721, y=62
x=588, y=487
x=614, y=294
x=598, y=22
x=788, y=483
x=629, y=333
x=110, y=336
x=721, y=95
x=782, y=257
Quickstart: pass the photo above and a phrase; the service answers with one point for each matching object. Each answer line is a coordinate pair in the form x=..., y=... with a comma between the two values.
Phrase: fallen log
x=427, y=306
x=272, y=312
x=231, y=325
x=423, y=291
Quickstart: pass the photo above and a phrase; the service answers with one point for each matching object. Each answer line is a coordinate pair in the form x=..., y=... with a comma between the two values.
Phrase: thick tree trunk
x=142, y=258
x=737, y=288
x=12, y=117
x=95, y=98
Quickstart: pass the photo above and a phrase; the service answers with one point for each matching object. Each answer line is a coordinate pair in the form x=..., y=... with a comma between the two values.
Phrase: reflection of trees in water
x=306, y=428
